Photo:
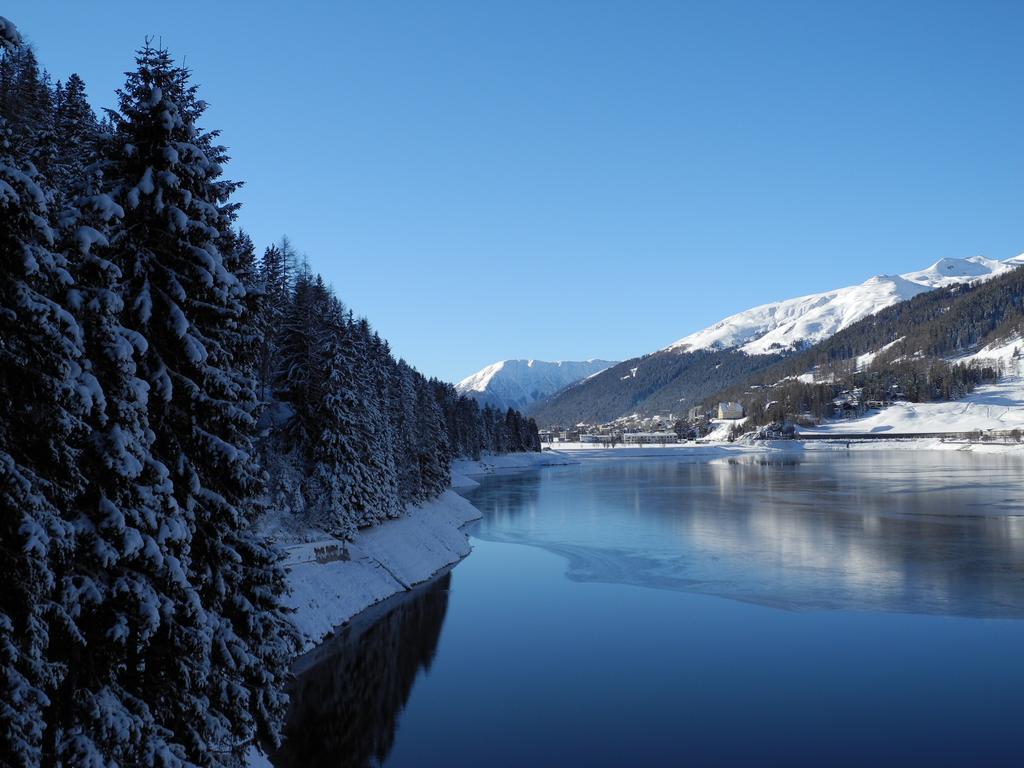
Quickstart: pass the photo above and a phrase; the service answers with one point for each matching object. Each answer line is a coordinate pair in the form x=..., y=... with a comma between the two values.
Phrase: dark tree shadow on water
x=347, y=699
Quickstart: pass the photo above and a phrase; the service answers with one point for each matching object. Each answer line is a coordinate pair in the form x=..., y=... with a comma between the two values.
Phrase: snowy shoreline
x=332, y=581
x=330, y=588
x=715, y=450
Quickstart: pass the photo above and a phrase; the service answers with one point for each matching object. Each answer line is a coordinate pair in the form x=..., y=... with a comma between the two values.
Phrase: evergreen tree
x=403, y=402
x=384, y=430
x=26, y=103
x=43, y=397
x=430, y=443
x=276, y=274
x=375, y=436
x=76, y=132
x=126, y=576
x=141, y=620
x=297, y=343
x=188, y=306
x=339, y=480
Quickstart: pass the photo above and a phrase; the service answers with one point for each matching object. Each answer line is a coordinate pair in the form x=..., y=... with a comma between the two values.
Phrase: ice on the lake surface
x=598, y=669
x=916, y=532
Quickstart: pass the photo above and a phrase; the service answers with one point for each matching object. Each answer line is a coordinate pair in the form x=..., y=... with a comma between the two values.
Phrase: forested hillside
x=161, y=387
x=907, y=351
x=669, y=381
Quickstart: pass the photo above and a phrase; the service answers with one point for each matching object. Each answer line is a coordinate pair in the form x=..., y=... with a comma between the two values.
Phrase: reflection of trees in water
x=504, y=498
x=345, y=708
x=919, y=532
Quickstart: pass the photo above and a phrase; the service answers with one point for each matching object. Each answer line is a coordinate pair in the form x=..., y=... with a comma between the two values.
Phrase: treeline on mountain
x=162, y=387
x=914, y=344
x=660, y=383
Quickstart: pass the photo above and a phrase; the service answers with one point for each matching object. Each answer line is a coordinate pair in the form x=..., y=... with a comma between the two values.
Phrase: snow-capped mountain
x=518, y=383
x=672, y=379
x=805, y=320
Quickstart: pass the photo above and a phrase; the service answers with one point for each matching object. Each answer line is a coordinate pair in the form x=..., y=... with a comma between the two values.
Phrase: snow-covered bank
x=331, y=580
x=919, y=444
x=464, y=470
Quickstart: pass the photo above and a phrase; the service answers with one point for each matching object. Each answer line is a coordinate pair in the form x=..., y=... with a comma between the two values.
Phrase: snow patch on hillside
x=865, y=360
x=805, y=320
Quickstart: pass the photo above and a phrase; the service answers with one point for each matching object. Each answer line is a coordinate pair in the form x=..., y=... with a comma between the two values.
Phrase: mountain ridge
x=792, y=324
x=675, y=378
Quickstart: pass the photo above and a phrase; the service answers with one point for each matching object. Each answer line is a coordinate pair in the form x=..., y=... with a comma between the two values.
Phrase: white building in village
x=730, y=410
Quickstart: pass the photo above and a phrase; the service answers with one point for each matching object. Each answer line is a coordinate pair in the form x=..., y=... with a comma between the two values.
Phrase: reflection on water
x=536, y=669
x=347, y=696
x=939, y=533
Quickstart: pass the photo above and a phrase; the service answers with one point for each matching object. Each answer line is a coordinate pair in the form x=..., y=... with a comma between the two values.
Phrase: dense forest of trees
x=161, y=388
x=914, y=346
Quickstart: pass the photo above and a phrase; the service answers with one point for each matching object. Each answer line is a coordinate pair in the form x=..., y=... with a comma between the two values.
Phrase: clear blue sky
x=562, y=180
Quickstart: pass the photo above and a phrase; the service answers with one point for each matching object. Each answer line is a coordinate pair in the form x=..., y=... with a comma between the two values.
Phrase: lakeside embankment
x=331, y=580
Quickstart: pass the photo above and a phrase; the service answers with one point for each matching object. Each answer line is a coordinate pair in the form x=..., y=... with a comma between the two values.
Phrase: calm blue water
x=826, y=609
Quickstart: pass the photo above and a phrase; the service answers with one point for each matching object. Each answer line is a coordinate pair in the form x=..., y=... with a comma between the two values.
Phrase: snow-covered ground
x=997, y=406
x=804, y=320
x=331, y=580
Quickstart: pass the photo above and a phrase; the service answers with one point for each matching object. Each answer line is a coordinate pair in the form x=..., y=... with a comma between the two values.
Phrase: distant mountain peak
x=794, y=323
x=519, y=383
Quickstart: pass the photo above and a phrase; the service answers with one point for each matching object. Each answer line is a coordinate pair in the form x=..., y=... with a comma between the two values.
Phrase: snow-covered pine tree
x=125, y=583
x=254, y=641
x=277, y=277
x=375, y=441
x=26, y=101
x=75, y=134
x=340, y=488
x=288, y=444
x=295, y=357
x=42, y=399
x=239, y=256
x=384, y=434
x=430, y=442
x=468, y=427
x=187, y=305
x=402, y=401
x=513, y=428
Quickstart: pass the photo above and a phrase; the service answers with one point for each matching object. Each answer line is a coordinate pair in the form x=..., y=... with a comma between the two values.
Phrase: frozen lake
x=815, y=609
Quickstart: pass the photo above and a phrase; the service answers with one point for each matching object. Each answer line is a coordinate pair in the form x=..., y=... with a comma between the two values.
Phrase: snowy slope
x=517, y=383
x=997, y=406
x=947, y=272
x=806, y=320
